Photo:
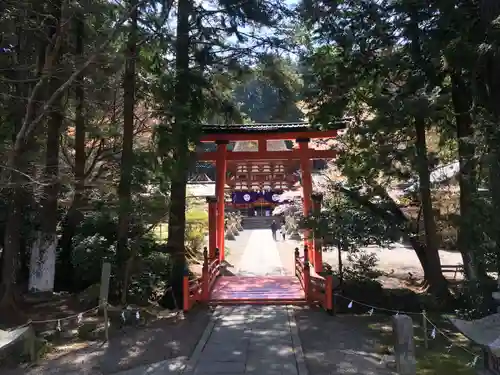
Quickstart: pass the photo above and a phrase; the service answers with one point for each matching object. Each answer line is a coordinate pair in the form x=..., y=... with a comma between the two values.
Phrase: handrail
x=198, y=290
x=192, y=291
x=321, y=291
x=317, y=289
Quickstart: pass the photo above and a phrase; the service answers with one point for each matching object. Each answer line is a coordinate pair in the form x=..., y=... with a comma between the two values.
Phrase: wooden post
x=317, y=198
x=185, y=290
x=212, y=226
x=103, y=296
x=305, y=166
x=205, y=286
x=220, y=183
x=307, y=272
x=424, y=327
x=329, y=293
x=217, y=256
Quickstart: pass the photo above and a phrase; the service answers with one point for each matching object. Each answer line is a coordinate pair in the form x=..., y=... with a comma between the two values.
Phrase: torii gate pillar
x=317, y=199
x=220, y=183
x=212, y=226
x=305, y=166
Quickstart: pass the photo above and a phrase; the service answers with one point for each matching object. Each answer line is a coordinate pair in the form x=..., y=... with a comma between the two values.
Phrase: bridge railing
x=212, y=272
x=302, y=271
x=192, y=290
x=317, y=289
x=198, y=290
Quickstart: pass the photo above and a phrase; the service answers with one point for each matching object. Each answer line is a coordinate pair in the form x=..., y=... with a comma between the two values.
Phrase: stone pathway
x=260, y=340
x=261, y=256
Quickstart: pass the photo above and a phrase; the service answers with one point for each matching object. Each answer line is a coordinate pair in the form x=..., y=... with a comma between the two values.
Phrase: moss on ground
x=445, y=355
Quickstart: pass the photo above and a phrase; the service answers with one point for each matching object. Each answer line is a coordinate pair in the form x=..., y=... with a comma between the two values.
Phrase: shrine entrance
x=256, y=177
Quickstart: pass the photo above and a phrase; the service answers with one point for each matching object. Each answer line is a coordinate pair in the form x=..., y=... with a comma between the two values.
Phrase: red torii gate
x=301, y=132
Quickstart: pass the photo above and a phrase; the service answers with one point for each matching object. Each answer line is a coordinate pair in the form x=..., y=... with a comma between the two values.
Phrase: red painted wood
x=318, y=253
x=305, y=166
x=220, y=182
x=257, y=289
x=212, y=227
x=269, y=155
x=269, y=136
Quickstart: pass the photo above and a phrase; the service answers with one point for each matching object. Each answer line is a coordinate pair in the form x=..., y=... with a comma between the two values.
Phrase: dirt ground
x=338, y=346
x=398, y=262
x=129, y=347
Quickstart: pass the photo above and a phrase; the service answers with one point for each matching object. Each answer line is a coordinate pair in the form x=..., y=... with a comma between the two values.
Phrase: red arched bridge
x=212, y=287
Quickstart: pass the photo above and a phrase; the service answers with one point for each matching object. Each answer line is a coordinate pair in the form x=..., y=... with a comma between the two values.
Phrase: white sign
x=246, y=197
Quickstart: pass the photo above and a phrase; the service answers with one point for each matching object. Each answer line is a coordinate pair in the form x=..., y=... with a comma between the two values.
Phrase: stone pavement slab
x=167, y=367
x=258, y=340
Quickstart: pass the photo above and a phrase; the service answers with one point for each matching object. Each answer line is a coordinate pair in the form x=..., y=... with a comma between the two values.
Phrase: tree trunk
x=489, y=90
x=432, y=268
x=461, y=98
x=15, y=175
x=74, y=216
x=43, y=251
x=435, y=278
x=180, y=133
x=127, y=157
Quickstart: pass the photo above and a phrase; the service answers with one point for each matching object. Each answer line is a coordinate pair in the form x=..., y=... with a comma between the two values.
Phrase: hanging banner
x=244, y=197
x=271, y=196
x=248, y=197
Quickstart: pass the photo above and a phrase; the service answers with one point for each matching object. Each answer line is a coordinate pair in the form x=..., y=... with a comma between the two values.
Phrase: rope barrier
x=79, y=316
x=378, y=308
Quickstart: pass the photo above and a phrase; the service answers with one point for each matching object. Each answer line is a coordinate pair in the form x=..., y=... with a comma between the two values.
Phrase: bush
x=474, y=299
x=148, y=283
x=367, y=291
x=95, y=243
x=196, y=231
x=362, y=266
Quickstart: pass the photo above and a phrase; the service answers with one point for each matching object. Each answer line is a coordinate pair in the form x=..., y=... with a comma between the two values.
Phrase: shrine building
x=253, y=186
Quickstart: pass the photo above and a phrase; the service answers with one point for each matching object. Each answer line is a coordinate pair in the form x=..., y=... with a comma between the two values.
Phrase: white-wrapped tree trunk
x=43, y=263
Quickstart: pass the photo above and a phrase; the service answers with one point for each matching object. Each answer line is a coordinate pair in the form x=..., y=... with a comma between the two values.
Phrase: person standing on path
x=283, y=231
x=274, y=229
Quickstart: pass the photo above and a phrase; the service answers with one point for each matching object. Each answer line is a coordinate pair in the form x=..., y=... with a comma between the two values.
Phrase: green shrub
x=148, y=282
x=474, y=300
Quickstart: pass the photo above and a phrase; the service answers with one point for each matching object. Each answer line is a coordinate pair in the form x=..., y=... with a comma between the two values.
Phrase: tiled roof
x=264, y=127
x=200, y=177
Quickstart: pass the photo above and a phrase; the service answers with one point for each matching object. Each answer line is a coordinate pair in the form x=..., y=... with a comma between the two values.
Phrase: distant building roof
x=200, y=177
x=438, y=175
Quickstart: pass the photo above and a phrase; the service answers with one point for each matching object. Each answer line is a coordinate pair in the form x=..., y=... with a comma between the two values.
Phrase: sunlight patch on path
x=261, y=256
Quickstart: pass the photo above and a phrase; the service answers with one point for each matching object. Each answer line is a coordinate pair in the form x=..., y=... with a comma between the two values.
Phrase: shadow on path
x=338, y=345
x=132, y=347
